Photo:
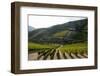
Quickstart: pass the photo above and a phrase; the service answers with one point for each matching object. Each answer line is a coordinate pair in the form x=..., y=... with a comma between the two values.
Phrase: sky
x=41, y=21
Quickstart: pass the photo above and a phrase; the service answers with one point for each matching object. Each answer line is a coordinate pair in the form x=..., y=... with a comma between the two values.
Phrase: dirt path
x=32, y=56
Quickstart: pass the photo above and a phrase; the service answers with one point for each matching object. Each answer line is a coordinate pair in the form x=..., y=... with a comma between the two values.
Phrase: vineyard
x=57, y=51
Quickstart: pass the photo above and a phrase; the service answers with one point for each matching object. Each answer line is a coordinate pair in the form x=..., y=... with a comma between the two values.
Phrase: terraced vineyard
x=72, y=51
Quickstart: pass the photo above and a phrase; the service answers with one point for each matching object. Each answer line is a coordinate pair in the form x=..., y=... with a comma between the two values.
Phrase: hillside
x=73, y=31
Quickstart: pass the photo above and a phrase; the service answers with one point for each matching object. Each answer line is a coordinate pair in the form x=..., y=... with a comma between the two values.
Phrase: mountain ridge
x=30, y=28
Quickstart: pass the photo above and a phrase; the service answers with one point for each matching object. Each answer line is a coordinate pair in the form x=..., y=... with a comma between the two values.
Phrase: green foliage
x=75, y=48
x=41, y=46
x=69, y=48
x=61, y=34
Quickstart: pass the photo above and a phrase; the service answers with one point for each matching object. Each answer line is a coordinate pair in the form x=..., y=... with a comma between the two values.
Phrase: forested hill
x=73, y=31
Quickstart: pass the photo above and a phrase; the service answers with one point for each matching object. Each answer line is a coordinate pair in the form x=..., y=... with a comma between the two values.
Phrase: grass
x=60, y=34
x=69, y=48
x=74, y=48
x=41, y=46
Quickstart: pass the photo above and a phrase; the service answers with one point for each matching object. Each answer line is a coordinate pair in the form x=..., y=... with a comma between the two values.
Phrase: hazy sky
x=47, y=21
